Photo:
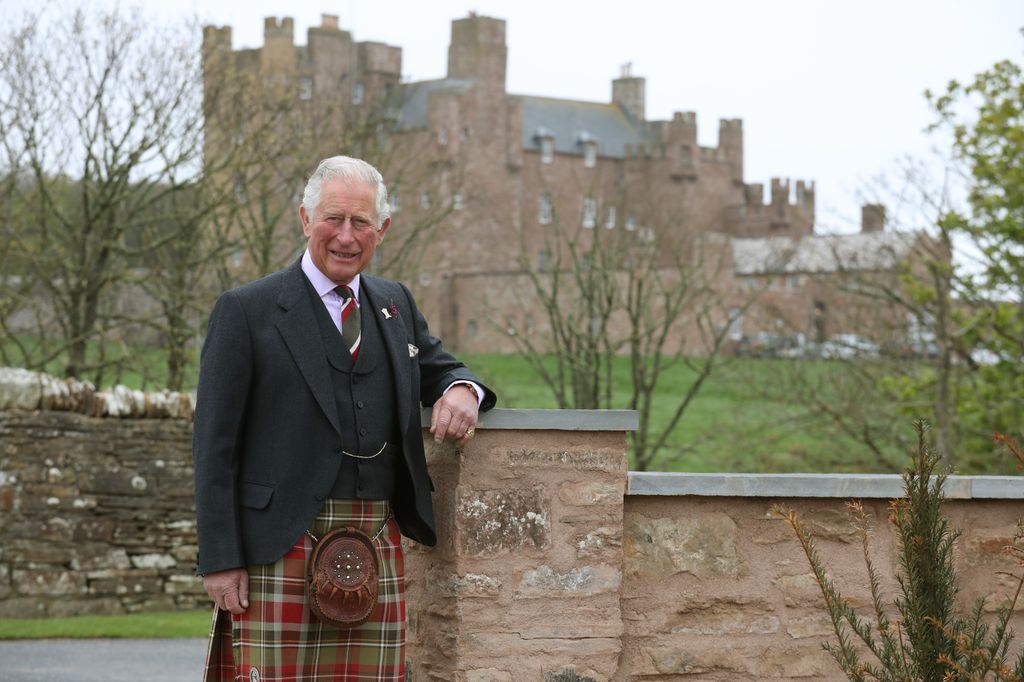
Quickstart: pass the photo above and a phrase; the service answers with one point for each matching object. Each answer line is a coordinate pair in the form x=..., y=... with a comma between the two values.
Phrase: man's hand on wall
x=455, y=415
x=228, y=589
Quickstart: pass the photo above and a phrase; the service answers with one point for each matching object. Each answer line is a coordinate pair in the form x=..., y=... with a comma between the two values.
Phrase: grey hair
x=346, y=168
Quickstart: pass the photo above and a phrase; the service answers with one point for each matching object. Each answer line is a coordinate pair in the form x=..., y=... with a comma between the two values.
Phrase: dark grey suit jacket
x=267, y=442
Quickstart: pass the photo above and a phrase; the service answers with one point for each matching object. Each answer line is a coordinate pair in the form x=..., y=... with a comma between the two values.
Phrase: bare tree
x=901, y=291
x=648, y=292
x=97, y=135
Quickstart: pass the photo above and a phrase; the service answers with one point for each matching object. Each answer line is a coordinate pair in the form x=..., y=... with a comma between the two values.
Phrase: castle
x=501, y=172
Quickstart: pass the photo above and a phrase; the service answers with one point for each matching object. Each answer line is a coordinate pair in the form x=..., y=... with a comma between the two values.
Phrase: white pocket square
x=413, y=351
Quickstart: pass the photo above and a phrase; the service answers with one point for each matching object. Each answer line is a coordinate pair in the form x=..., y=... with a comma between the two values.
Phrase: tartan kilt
x=278, y=639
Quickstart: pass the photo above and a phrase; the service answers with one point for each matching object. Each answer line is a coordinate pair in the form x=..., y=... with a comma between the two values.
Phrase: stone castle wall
x=554, y=563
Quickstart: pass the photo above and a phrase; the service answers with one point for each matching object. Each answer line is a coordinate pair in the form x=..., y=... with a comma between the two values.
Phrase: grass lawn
x=743, y=420
x=176, y=625
x=731, y=426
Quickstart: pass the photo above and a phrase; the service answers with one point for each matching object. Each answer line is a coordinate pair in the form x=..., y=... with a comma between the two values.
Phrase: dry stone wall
x=96, y=515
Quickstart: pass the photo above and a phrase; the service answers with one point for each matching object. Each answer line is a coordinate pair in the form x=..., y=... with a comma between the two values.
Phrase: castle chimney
x=329, y=21
x=628, y=91
x=872, y=218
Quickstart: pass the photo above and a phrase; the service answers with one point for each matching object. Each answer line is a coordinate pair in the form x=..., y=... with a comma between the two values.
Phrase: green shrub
x=928, y=641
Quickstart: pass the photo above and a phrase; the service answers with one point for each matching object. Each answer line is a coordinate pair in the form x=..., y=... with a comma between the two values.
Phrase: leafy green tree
x=986, y=118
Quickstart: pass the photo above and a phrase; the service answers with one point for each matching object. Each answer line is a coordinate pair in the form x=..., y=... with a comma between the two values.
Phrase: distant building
x=507, y=170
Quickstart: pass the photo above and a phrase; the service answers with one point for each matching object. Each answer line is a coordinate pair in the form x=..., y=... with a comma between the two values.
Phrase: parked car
x=765, y=345
x=849, y=346
x=912, y=349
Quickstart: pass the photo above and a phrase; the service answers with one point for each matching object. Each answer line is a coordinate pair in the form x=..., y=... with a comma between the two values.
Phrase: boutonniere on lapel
x=390, y=311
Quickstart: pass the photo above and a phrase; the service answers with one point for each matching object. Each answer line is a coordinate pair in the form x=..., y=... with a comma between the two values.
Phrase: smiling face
x=342, y=233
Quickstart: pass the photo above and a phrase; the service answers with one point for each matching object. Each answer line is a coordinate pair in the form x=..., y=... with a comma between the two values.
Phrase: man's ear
x=383, y=228
x=306, y=226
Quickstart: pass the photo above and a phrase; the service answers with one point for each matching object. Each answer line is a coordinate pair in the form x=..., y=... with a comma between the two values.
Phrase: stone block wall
x=716, y=586
x=96, y=515
x=524, y=583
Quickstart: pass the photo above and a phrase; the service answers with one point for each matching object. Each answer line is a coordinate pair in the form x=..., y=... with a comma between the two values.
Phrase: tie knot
x=344, y=292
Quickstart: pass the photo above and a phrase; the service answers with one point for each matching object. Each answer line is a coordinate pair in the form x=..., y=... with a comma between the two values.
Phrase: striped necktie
x=351, y=332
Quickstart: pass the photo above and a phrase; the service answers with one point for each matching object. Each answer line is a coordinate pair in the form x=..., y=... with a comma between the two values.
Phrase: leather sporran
x=342, y=577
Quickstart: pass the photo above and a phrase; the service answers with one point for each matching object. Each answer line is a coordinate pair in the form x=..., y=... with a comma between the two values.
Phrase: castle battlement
x=274, y=28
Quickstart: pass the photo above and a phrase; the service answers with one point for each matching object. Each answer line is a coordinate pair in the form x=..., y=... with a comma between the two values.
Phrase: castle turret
x=278, y=53
x=730, y=145
x=478, y=51
x=628, y=91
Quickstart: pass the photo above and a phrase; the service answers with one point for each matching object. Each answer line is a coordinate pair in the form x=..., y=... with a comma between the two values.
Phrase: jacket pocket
x=254, y=495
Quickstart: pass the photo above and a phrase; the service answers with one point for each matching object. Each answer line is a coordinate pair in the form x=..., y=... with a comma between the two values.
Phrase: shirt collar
x=321, y=283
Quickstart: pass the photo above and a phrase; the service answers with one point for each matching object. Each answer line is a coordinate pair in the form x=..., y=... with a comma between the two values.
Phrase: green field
x=136, y=626
x=743, y=420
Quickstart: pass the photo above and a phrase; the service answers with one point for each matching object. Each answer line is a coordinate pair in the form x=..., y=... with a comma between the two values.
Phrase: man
x=307, y=419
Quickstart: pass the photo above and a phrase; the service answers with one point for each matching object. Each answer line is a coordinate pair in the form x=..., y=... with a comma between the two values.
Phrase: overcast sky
x=828, y=91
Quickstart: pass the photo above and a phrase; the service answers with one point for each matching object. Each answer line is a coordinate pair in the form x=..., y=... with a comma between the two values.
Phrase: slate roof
x=569, y=122
x=573, y=121
x=413, y=111
x=864, y=251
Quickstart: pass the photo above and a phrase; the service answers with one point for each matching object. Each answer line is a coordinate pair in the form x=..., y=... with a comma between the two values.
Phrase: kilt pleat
x=278, y=639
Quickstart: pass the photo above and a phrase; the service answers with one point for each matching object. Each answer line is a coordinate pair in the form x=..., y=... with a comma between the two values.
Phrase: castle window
x=464, y=134
x=735, y=323
x=542, y=260
x=471, y=328
x=241, y=193
x=631, y=222
x=442, y=136
x=609, y=221
x=589, y=211
x=305, y=88
x=425, y=279
x=394, y=202
x=424, y=199
x=547, y=150
x=590, y=154
x=544, y=215
x=458, y=202
x=358, y=93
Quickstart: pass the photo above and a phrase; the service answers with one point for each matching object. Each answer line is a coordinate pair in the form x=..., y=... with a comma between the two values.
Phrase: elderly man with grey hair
x=308, y=420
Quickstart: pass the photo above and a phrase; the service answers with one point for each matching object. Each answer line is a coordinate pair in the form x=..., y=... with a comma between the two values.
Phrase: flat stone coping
x=884, y=486
x=554, y=420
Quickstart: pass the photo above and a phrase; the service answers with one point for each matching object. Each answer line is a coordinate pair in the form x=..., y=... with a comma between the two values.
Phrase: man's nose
x=346, y=231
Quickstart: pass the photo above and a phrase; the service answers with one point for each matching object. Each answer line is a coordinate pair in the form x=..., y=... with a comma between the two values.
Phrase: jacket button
x=362, y=432
x=359, y=404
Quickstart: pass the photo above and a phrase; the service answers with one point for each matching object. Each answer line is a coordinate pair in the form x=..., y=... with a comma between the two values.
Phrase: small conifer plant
x=922, y=637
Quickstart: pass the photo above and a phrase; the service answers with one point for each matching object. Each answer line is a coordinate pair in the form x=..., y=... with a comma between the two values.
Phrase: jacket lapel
x=299, y=329
x=395, y=340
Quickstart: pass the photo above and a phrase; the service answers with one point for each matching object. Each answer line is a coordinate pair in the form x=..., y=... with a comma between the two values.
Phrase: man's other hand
x=455, y=415
x=228, y=589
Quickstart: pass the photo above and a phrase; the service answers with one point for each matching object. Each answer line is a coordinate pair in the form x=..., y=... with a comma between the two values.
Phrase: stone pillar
x=524, y=581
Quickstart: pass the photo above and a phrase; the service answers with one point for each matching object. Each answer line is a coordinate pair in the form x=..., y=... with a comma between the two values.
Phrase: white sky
x=828, y=91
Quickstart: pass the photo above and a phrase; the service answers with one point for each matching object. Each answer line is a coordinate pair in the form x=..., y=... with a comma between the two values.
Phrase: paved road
x=102, y=660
